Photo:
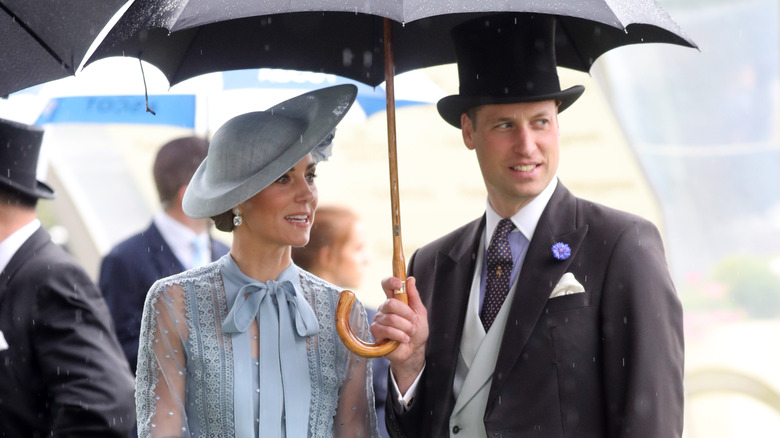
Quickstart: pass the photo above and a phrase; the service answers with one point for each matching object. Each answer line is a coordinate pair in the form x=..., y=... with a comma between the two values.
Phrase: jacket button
x=455, y=429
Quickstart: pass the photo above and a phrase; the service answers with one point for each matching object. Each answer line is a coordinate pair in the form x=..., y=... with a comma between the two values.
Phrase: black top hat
x=505, y=58
x=20, y=146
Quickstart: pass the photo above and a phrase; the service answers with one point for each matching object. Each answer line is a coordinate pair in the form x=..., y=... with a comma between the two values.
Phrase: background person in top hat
x=589, y=341
x=62, y=372
x=172, y=243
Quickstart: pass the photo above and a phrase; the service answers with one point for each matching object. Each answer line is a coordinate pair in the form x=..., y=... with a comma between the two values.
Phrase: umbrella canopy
x=45, y=40
x=186, y=38
x=365, y=40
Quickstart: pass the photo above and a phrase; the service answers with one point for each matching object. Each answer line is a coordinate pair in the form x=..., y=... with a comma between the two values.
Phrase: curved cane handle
x=348, y=337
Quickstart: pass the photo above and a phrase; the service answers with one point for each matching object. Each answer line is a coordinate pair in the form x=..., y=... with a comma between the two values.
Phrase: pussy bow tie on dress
x=284, y=365
x=253, y=295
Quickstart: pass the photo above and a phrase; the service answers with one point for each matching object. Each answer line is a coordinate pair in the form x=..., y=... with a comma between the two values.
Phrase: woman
x=336, y=251
x=247, y=346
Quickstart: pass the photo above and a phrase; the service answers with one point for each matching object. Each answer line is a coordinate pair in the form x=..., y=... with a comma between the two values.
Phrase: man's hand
x=407, y=324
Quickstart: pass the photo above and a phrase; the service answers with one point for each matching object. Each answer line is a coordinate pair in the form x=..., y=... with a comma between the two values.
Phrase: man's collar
x=526, y=218
x=12, y=243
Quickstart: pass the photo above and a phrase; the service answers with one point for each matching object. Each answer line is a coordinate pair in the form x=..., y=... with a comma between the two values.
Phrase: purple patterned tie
x=499, y=272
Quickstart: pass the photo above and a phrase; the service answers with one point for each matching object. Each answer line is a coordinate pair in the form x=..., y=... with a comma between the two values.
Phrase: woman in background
x=337, y=253
x=247, y=346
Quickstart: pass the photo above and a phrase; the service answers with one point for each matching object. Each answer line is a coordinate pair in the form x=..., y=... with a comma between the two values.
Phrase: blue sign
x=173, y=110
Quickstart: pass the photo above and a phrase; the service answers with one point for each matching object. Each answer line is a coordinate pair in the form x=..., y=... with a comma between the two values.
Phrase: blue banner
x=173, y=110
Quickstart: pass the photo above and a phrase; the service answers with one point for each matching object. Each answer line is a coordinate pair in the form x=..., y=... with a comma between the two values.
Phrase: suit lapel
x=164, y=258
x=453, y=273
x=540, y=273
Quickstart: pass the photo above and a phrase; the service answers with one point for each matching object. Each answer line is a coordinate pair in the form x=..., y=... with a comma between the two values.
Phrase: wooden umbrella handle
x=347, y=298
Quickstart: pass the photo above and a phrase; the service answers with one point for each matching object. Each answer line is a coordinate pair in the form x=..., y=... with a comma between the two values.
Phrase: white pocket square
x=567, y=285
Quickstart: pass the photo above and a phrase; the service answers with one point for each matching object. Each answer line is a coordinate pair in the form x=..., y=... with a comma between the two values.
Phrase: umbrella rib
x=35, y=36
x=573, y=42
x=175, y=80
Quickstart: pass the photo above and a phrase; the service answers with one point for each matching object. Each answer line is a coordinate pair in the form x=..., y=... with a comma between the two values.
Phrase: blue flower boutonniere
x=561, y=251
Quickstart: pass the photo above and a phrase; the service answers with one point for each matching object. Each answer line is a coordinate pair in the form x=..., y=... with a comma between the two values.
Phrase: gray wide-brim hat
x=252, y=150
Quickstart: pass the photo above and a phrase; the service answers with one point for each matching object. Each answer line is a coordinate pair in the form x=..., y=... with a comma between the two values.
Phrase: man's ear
x=467, y=130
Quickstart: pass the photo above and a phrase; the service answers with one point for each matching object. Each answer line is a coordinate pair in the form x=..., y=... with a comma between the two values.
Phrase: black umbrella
x=45, y=40
x=368, y=41
x=186, y=38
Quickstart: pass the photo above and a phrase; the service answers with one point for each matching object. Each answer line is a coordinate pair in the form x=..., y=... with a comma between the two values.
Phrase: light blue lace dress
x=200, y=366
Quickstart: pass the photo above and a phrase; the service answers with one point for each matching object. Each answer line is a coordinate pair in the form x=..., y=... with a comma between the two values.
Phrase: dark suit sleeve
x=643, y=339
x=90, y=384
x=122, y=288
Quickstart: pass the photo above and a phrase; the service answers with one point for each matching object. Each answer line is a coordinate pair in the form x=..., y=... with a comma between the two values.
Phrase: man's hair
x=9, y=196
x=175, y=164
x=471, y=113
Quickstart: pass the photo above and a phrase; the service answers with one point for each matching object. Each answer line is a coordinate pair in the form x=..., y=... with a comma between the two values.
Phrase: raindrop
x=625, y=320
x=346, y=57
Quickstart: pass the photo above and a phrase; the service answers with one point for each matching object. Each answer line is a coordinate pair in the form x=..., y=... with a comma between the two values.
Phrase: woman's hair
x=332, y=227
x=224, y=221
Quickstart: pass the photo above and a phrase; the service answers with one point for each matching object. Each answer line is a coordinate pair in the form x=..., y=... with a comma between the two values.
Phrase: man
x=172, y=243
x=549, y=316
x=62, y=372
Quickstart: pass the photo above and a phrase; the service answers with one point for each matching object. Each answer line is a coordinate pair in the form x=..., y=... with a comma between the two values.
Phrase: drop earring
x=237, y=219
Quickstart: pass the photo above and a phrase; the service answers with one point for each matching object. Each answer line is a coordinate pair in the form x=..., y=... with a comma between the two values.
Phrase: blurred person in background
x=172, y=243
x=247, y=346
x=62, y=371
x=337, y=253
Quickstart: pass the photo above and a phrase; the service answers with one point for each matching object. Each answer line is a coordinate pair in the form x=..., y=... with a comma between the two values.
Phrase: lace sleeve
x=356, y=415
x=161, y=375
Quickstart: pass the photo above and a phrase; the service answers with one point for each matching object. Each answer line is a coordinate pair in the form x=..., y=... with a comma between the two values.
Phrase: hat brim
x=451, y=107
x=41, y=190
x=321, y=109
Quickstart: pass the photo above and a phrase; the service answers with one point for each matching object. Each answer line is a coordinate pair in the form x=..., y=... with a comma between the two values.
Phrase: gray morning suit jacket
x=606, y=363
